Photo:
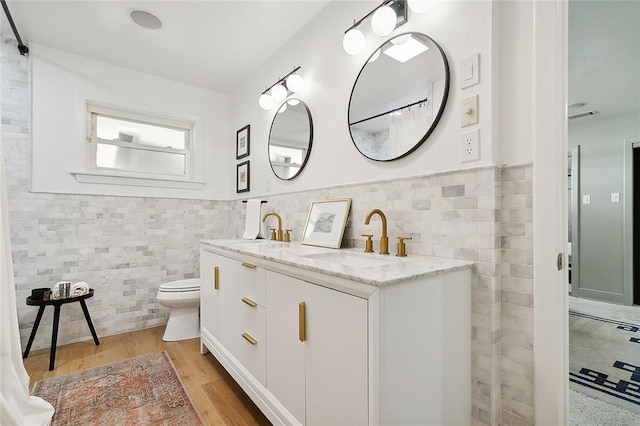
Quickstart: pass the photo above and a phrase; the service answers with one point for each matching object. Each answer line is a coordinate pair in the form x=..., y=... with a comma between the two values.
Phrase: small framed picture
x=243, y=137
x=326, y=222
x=242, y=177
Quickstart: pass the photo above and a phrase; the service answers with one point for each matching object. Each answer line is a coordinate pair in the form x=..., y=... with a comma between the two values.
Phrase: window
x=124, y=143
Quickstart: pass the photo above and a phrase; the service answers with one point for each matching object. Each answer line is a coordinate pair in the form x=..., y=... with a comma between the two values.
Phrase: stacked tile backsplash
x=126, y=246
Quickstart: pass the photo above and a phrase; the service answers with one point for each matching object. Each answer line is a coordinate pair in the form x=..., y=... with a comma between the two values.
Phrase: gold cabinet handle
x=249, y=302
x=216, y=278
x=249, y=339
x=249, y=265
x=302, y=321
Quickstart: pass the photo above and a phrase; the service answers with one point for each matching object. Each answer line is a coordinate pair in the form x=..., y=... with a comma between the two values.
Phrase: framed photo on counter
x=326, y=222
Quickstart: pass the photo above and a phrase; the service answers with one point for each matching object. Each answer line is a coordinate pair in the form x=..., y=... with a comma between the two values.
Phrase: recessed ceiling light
x=577, y=105
x=145, y=19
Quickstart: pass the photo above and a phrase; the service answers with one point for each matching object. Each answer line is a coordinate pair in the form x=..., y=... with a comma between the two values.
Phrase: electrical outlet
x=470, y=146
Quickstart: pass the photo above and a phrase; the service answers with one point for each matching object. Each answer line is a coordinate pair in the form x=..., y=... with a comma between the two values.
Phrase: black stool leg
x=33, y=331
x=54, y=336
x=89, y=323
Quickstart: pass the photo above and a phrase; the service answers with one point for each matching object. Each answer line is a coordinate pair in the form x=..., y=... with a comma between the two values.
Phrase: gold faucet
x=384, y=240
x=279, y=236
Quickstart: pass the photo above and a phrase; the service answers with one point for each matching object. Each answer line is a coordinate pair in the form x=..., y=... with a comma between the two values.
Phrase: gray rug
x=586, y=411
x=604, y=359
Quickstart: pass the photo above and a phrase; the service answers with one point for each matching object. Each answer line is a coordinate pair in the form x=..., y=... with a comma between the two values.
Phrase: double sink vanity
x=326, y=336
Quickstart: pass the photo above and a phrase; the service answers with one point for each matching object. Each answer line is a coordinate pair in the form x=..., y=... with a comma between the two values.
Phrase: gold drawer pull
x=302, y=321
x=216, y=278
x=249, y=302
x=248, y=265
x=249, y=339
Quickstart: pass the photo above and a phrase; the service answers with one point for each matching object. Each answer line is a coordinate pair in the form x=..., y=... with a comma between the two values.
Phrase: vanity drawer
x=252, y=320
x=251, y=352
x=251, y=282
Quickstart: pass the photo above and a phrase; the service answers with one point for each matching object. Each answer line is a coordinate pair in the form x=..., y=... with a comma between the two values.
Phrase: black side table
x=56, y=318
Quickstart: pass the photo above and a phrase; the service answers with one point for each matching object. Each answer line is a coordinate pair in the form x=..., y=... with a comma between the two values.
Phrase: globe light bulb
x=295, y=83
x=419, y=6
x=353, y=41
x=279, y=93
x=265, y=101
x=283, y=108
x=383, y=21
x=293, y=102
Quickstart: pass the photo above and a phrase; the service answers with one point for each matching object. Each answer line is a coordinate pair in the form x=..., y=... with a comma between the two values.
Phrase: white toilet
x=183, y=297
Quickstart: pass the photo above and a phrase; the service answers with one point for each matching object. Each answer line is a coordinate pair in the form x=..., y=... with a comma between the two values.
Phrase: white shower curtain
x=407, y=126
x=17, y=407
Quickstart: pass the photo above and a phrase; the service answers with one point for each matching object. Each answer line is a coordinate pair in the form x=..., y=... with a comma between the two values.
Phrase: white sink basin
x=353, y=259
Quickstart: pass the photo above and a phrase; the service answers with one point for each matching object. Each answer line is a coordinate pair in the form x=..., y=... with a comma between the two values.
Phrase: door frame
x=627, y=257
x=551, y=298
x=575, y=217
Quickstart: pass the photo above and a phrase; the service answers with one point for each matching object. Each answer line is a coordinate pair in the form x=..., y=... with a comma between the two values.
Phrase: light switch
x=469, y=71
x=615, y=197
x=469, y=113
x=586, y=199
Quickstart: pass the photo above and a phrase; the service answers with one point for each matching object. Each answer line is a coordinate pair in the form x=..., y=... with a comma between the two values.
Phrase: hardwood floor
x=217, y=397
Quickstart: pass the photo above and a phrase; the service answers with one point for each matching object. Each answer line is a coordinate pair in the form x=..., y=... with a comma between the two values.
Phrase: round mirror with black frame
x=398, y=97
x=290, y=139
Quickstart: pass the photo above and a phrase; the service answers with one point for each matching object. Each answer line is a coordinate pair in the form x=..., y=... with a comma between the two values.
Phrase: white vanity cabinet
x=317, y=351
x=322, y=343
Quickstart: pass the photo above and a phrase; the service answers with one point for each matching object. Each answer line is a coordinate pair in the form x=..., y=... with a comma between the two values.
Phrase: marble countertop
x=351, y=264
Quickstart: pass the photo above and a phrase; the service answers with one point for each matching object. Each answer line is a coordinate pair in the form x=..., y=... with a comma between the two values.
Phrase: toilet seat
x=181, y=286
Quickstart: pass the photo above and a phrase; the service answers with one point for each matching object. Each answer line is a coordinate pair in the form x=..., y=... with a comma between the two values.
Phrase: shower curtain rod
x=22, y=48
x=390, y=111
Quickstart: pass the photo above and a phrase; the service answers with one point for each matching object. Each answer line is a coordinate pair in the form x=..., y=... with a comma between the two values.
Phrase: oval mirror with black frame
x=398, y=97
x=290, y=139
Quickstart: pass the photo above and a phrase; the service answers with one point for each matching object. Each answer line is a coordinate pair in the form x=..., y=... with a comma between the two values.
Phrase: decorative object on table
x=326, y=222
x=38, y=293
x=142, y=390
x=603, y=359
x=243, y=138
x=79, y=289
x=56, y=303
x=254, y=227
x=242, y=177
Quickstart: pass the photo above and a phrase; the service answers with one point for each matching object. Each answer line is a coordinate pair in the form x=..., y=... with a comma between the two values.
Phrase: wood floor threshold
x=217, y=397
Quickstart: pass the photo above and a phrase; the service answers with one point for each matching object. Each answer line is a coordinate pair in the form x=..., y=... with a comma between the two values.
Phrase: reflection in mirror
x=290, y=139
x=398, y=97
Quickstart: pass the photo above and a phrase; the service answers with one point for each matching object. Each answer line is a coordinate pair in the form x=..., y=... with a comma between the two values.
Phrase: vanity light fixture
x=385, y=18
x=278, y=91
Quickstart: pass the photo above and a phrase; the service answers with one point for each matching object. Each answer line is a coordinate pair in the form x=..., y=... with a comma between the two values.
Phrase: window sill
x=157, y=182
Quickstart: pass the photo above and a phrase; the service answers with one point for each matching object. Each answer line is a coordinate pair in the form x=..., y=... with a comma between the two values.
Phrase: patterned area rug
x=140, y=391
x=604, y=359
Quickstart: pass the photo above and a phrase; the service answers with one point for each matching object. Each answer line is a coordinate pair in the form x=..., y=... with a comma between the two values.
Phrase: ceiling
x=217, y=44
x=604, y=56
x=210, y=44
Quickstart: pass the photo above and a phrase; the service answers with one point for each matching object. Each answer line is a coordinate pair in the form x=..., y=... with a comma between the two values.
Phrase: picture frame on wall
x=242, y=177
x=243, y=140
x=326, y=222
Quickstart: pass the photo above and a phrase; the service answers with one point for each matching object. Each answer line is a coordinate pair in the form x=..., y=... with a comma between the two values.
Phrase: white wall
x=461, y=29
x=62, y=83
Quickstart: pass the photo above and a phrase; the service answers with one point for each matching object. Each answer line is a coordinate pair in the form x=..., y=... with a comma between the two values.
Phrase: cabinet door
x=336, y=358
x=209, y=292
x=285, y=351
x=322, y=379
x=218, y=296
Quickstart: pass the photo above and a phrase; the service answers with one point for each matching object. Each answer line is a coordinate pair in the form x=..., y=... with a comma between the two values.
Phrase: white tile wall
x=126, y=246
